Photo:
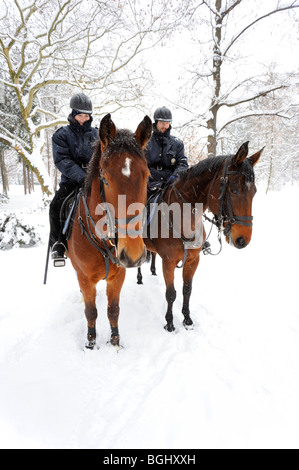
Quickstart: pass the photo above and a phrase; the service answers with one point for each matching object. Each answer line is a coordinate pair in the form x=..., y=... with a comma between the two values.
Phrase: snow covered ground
x=232, y=382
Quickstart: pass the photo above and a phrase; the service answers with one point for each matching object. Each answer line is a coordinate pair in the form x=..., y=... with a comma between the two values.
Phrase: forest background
x=228, y=69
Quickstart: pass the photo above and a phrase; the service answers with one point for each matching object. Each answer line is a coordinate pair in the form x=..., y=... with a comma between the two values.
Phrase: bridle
x=225, y=211
x=106, y=244
x=114, y=223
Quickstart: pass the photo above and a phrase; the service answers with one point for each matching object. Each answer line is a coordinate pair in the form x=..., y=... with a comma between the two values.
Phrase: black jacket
x=72, y=149
x=165, y=156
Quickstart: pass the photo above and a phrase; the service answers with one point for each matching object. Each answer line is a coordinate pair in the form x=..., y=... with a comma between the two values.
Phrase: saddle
x=154, y=197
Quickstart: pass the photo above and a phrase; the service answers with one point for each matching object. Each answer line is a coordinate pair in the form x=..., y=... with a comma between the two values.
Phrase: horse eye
x=103, y=179
x=235, y=191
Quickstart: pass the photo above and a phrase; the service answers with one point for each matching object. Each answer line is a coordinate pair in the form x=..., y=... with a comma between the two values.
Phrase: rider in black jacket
x=72, y=151
x=165, y=153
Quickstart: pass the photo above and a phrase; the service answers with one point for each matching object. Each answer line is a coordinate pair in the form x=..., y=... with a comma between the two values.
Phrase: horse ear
x=255, y=158
x=144, y=131
x=107, y=131
x=241, y=154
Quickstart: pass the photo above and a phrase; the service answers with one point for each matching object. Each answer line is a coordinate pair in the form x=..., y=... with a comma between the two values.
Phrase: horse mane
x=93, y=167
x=213, y=164
x=124, y=141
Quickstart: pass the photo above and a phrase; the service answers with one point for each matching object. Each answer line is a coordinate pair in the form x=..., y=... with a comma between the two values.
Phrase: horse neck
x=95, y=196
x=196, y=189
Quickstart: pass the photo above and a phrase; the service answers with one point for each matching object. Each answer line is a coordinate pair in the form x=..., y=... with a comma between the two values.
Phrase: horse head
x=232, y=194
x=124, y=174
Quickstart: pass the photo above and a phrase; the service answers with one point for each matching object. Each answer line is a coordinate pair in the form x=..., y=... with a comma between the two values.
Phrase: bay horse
x=224, y=185
x=118, y=168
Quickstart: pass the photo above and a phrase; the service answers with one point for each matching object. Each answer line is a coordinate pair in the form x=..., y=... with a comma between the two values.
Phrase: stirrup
x=59, y=262
x=58, y=259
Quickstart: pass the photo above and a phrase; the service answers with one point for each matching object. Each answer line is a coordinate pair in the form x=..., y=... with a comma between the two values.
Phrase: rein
x=105, y=251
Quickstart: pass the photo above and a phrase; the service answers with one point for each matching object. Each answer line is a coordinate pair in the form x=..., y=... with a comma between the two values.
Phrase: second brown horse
x=224, y=185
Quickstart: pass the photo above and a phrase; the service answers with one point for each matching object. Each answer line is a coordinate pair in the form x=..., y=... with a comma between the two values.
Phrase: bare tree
x=228, y=35
x=91, y=45
x=280, y=160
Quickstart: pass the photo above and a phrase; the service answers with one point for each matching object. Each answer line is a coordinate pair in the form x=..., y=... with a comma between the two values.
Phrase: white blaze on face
x=126, y=170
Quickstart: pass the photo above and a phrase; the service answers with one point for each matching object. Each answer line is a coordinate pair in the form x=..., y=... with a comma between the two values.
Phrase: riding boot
x=57, y=240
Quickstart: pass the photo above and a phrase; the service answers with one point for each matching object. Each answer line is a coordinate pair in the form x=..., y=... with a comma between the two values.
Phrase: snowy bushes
x=3, y=198
x=14, y=232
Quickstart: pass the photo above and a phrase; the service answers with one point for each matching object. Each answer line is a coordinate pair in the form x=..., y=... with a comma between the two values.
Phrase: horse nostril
x=127, y=262
x=240, y=242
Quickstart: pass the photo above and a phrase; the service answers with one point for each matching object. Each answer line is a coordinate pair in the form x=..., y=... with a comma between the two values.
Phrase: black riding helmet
x=81, y=103
x=163, y=114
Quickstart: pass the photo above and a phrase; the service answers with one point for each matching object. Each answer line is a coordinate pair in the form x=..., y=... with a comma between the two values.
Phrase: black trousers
x=54, y=212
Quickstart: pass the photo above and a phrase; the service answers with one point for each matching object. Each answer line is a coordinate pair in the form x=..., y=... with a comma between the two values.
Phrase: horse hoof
x=115, y=343
x=169, y=327
x=115, y=340
x=188, y=324
x=188, y=327
x=91, y=344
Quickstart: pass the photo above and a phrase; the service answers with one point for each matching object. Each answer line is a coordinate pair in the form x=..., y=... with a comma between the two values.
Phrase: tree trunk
x=3, y=173
x=28, y=180
x=270, y=176
x=217, y=62
x=32, y=180
x=45, y=188
x=25, y=178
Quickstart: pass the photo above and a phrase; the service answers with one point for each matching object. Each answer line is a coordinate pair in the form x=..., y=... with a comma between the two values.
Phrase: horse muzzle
x=240, y=242
x=127, y=262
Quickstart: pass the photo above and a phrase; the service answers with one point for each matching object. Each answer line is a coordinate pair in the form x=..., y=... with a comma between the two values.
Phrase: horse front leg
x=139, y=276
x=168, y=272
x=153, y=265
x=188, y=274
x=114, y=286
x=89, y=293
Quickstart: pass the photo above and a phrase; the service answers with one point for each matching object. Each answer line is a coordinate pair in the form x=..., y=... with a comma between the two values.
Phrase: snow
x=232, y=382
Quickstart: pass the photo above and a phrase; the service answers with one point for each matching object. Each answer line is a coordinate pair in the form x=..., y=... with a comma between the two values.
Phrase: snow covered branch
x=229, y=9
x=252, y=97
x=281, y=114
x=257, y=20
